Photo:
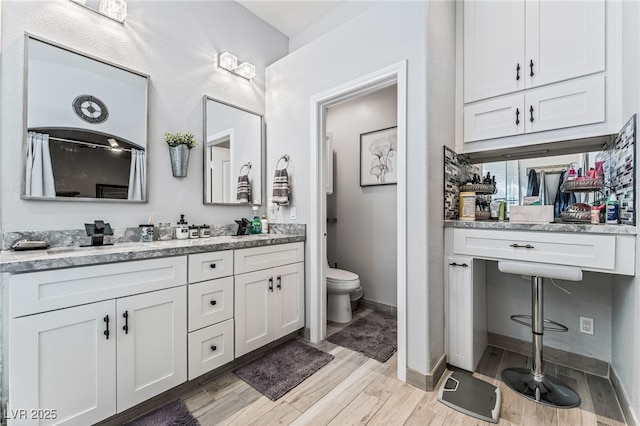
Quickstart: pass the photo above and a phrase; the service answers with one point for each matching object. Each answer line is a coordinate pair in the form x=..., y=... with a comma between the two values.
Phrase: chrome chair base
x=545, y=389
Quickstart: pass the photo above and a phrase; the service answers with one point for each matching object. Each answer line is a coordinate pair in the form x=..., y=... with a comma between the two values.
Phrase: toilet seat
x=334, y=274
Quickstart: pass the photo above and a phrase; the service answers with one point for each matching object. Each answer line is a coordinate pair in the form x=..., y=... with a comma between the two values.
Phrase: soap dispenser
x=182, y=230
x=256, y=224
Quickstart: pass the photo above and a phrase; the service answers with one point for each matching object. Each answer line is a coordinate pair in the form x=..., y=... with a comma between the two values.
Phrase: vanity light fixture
x=229, y=62
x=520, y=154
x=114, y=9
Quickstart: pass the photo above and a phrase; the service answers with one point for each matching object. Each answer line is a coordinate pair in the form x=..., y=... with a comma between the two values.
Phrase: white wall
x=176, y=43
x=509, y=294
x=625, y=343
x=383, y=35
x=364, y=239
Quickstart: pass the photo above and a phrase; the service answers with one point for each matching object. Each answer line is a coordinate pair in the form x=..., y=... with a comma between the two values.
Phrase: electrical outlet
x=293, y=213
x=586, y=325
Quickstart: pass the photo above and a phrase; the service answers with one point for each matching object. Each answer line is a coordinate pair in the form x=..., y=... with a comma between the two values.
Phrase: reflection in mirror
x=233, y=154
x=86, y=127
x=513, y=176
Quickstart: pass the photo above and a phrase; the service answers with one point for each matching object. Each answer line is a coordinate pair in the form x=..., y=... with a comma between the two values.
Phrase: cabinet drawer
x=210, y=348
x=35, y=292
x=494, y=118
x=256, y=258
x=208, y=266
x=210, y=302
x=581, y=250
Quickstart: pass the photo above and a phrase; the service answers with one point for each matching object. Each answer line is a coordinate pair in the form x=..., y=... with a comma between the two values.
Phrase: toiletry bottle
x=194, y=231
x=182, y=230
x=256, y=225
x=264, y=223
x=613, y=209
x=164, y=231
x=571, y=175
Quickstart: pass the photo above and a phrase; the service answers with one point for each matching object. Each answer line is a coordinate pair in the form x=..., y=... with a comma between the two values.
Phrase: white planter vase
x=179, y=160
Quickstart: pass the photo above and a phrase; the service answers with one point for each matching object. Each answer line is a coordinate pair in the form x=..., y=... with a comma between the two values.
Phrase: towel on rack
x=532, y=185
x=281, y=188
x=244, y=189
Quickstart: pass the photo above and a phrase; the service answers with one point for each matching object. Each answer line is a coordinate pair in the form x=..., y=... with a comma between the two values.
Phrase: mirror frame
x=263, y=154
x=23, y=196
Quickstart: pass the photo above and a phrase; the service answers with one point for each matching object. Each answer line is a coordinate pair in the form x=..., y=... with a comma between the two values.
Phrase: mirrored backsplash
x=617, y=157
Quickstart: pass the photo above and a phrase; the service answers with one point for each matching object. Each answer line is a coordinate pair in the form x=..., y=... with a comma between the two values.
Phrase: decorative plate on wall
x=90, y=109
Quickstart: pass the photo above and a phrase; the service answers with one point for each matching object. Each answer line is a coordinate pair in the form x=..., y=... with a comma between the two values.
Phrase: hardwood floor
x=356, y=390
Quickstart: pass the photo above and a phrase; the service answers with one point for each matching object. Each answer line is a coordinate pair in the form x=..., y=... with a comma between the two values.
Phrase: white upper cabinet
x=534, y=71
x=494, y=60
x=564, y=40
x=514, y=45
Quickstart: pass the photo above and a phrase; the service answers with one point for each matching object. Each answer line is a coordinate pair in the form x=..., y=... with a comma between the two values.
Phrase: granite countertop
x=550, y=227
x=65, y=257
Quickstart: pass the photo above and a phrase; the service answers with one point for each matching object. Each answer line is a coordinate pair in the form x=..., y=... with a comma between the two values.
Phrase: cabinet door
x=568, y=104
x=152, y=344
x=253, y=310
x=494, y=118
x=564, y=40
x=466, y=312
x=289, y=299
x=210, y=348
x=63, y=361
x=493, y=48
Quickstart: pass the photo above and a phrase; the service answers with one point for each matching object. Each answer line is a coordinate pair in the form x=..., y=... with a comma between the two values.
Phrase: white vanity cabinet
x=210, y=338
x=269, y=294
x=532, y=66
x=466, y=311
x=120, y=345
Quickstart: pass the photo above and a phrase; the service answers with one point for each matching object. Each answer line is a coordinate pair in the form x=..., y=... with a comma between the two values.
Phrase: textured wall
x=176, y=43
x=364, y=237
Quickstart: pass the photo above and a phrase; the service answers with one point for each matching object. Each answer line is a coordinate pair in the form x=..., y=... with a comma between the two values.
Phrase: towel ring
x=247, y=165
x=285, y=158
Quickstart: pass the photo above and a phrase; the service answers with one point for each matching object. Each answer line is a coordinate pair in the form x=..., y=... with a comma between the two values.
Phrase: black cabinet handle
x=531, y=112
x=212, y=266
x=515, y=245
x=213, y=348
x=458, y=264
x=126, y=322
x=531, y=66
x=517, y=116
x=518, y=71
x=213, y=303
x=279, y=280
x=271, y=284
x=106, y=330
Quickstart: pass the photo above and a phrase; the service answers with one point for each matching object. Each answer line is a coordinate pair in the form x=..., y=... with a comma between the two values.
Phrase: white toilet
x=340, y=284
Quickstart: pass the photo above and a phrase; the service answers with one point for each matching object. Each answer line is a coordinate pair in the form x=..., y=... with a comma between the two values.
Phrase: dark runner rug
x=374, y=335
x=172, y=414
x=283, y=368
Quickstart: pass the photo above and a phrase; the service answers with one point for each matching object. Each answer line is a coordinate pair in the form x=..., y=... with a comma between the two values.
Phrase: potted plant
x=179, y=146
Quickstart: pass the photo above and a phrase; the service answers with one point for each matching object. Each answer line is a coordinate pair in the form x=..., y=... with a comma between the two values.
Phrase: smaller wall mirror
x=233, y=154
x=86, y=127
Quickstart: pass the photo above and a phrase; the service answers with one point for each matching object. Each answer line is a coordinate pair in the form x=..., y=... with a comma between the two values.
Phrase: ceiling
x=289, y=17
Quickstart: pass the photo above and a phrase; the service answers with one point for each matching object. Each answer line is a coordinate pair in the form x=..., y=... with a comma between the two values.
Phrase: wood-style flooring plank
x=605, y=403
x=229, y=405
x=512, y=403
x=397, y=409
x=587, y=412
x=358, y=412
x=489, y=365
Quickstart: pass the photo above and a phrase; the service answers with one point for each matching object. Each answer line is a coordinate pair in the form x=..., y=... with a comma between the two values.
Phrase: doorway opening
x=389, y=76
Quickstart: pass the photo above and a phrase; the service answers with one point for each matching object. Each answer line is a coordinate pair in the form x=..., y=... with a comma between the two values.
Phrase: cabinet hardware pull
x=279, y=280
x=212, y=266
x=126, y=322
x=106, y=331
x=213, y=303
x=515, y=245
x=517, y=116
x=213, y=348
x=531, y=111
x=531, y=66
x=456, y=264
x=518, y=71
x=271, y=284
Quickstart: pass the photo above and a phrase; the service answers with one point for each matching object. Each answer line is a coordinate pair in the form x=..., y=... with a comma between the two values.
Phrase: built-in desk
x=599, y=248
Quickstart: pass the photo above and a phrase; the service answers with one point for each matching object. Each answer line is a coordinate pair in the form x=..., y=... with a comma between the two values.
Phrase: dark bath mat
x=283, y=368
x=173, y=414
x=374, y=335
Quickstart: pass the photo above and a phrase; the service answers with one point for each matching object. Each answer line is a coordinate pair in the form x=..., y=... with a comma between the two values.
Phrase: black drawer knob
x=213, y=348
x=213, y=303
x=212, y=266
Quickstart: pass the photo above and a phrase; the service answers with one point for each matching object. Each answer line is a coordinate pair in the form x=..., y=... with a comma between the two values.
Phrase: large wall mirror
x=233, y=154
x=86, y=127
